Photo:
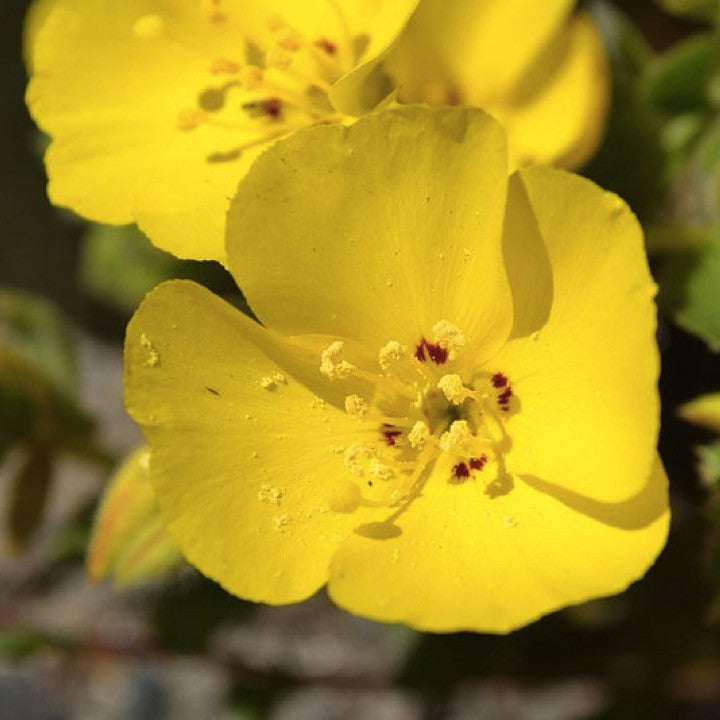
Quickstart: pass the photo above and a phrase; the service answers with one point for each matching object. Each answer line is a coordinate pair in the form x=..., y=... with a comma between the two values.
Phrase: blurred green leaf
x=709, y=463
x=629, y=52
x=21, y=643
x=678, y=80
x=120, y=265
x=693, y=9
x=28, y=497
x=689, y=285
x=630, y=161
x=35, y=330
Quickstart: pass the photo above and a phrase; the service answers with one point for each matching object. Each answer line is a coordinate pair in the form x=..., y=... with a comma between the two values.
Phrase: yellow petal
x=393, y=226
x=482, y=47
x=118, y=87
x=557, y=111
x=377, y=23
x=461, y=559
x=128, y=540
x=583, y=360
x=703, y=410
x=245, y=456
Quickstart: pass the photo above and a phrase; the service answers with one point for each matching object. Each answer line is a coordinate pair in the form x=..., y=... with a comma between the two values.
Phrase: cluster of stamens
x=263, y=92
x=423, y=413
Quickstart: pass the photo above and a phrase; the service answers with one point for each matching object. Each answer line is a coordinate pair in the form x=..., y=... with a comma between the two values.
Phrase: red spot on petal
x=272, y=107
x=390, y=436
x=504, y=396
x=460, y=471
x=327, y=45
x=435, y=352
x=477, y=463
x=499, y=380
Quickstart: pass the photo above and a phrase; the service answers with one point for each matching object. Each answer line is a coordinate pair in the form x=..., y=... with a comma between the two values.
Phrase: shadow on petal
x=638, y=512
x=379, y=530
x=527, y=262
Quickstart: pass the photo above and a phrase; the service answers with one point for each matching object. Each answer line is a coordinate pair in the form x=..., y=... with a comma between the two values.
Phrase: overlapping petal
x=540, y=72
x=583, y=358
x=244, y=452
x=394, y=226
x=463, y=559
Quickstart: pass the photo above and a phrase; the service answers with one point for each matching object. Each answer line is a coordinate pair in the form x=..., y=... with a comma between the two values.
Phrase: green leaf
x=35, y=330
x=709, y=463
x=119, y=265
x=28, y=497
x=689, y=285
x=678, y=81
x=692, y=9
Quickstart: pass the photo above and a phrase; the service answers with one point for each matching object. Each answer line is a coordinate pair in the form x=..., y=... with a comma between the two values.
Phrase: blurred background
x=173, y=645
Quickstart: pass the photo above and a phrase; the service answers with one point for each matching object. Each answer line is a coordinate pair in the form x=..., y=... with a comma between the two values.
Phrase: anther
x=455, y=440
x=331, y=365
x=418, y=435
x=356, y=407
x=390, y=353
x=449, y=336
x=454, y=390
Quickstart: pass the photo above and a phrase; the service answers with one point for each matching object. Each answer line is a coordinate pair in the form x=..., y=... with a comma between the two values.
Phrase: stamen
x=357, y=456
x=356, y=407
x=454, y=390
x=379, y=470
x=330, y=363
x=418, y=435
x=455, y=441
x=392, y=352
x=449, y=336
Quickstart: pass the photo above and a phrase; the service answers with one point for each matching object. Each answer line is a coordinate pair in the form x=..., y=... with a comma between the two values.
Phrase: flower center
x=269, y=87
x=425, y=410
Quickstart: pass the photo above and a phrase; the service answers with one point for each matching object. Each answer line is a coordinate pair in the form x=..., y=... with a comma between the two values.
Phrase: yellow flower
x=542, y=73
x=156, y=108
x=128, y=541
x=449, y=413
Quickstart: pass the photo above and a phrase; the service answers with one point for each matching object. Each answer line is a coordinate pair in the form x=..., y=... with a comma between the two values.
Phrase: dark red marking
x=272, y=107
x=435, y=352
x=390, y=436
x=477, y=463
x=327, y=45
x=504, y=396
x=460, y=471
x=499, y=380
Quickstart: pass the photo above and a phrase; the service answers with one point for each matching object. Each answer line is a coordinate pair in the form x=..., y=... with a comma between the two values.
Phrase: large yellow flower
x=535, y=68
x=156, y=108
x=449, y=413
